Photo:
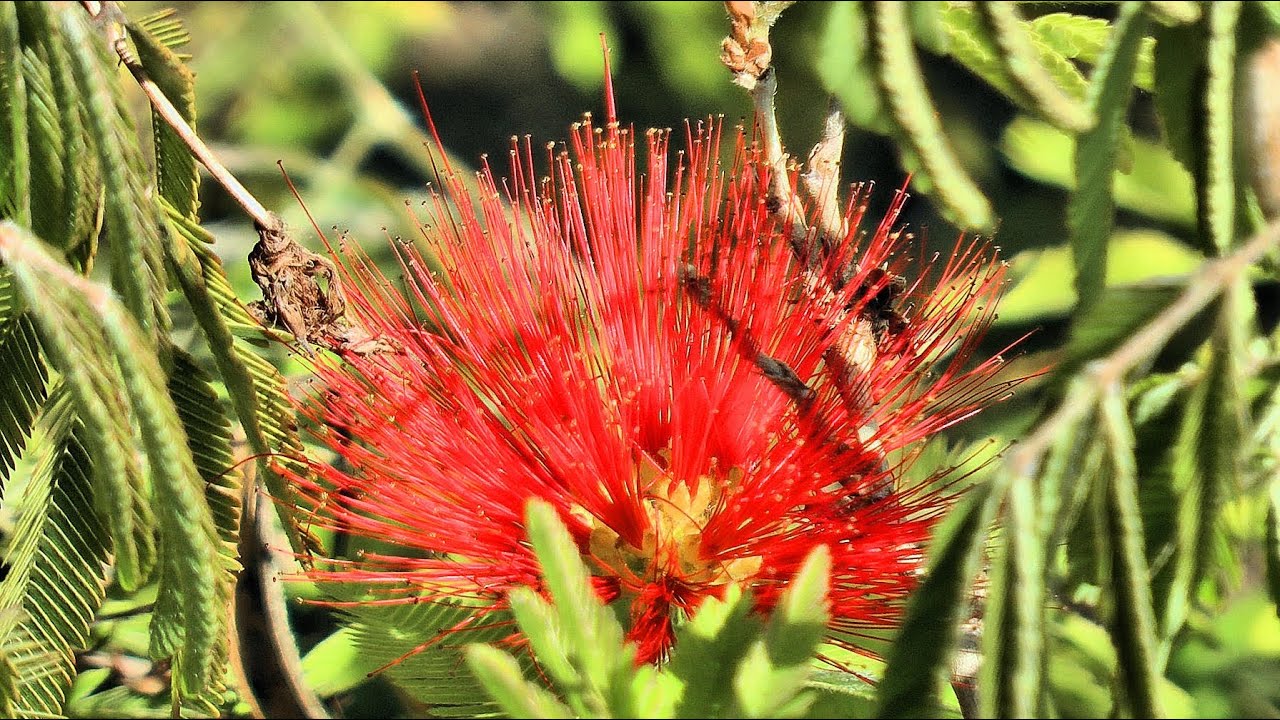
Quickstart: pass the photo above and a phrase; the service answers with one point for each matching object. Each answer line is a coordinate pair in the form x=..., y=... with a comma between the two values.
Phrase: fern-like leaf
x=257, y=390
x=56, y=558
x=90, y=335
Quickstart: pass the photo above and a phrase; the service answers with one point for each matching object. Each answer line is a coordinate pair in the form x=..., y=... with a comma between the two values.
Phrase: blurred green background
x=327, y=89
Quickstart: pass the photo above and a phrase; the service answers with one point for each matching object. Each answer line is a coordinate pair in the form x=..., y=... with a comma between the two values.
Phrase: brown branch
x=301, y=290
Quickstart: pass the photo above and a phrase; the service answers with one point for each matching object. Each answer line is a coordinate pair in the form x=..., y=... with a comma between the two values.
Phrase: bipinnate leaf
x=1091, y=213
x=902, y=85
x=55, y=559
x=117, y=381
x=255, y=387
x=918, y=662
x=1133, y=623
x=1013, y=624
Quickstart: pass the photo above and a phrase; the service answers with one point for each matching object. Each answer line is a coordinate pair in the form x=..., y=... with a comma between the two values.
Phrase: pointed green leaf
x=77, y=349
x=1091, y=213
x=918, y=662
x=1218, y=188
x=1013, y=626
x=589, y=630
x=15, y=162
x=502, y=679
x=1133, y=625
x=177, y=175
x=22, y=391
x=132, y=227
x=102, y=353
x=902, y=84
x=256, y=389
x=845, y=68
x=1022, y=65
x=56, y=559
x=419, y=648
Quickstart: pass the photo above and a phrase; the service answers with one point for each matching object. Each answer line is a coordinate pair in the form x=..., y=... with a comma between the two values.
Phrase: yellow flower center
x=672, y=542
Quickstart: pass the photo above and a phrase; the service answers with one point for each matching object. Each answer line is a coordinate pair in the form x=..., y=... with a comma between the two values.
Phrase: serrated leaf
x=167, y=29
x=1084, y=38
x=177, y=175
x=918, y=661
x=419, y=647
x=55, y=558
x=1022, y=65
x=1133, y=624
x=103, y=355
x=256, y=389
x=15, y=163
x=130, y=217
x=901, y=83
x=208, y=432
x=76, y=348
x=1208, y=461
x=1013, y=624
x=1218, y=186
x=22, y=391
x=1091, y=212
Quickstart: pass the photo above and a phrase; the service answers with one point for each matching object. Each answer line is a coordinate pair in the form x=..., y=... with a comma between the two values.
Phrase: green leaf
x=15, y=162
x=1013, y=624
x=1102, y=328
x=1218, y=189
x=420, y=648
x=22, y=391
x=177, y=175
x=1133, y=624
x=1273, y=541
x=918, y=661
x=589, y=632
x=188, y=558
x=76, y=348
x=256, y=389
x=1174, y=12
x=336, y=665
x=1091, y=212
x=503, y=680
x=1208, y=463
x=208, y=432
x=1084, y=38
x=130, y=216
x=1179, y=65
x=99, y=348
x=846, y=70
x=707, y=652
x=902, y=84
x=1156, y=185
x=55, y=558
x=770, y=679
x=1022, y=65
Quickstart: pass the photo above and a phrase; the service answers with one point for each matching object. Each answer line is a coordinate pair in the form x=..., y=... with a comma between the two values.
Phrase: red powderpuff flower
x=704, y=393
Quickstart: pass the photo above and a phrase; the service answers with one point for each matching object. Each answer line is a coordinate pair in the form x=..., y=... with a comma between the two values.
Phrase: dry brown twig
x=288, y=274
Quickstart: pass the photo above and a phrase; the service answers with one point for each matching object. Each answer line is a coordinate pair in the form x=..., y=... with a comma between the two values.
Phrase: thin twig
x=1212, y=279
x=166, y=110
